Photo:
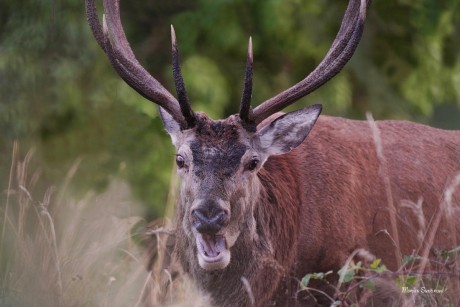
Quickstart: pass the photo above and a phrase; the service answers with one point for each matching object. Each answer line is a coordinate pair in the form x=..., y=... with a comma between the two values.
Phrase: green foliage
x=410, y=259
x=352, y=271
x=59, y=94
x=363, y=283
x=377, y=267
x=406, y=281
x=306, y=279
x=447, y=255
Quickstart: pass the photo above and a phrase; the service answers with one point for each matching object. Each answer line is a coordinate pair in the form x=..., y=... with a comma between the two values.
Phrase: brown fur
x=326, y=198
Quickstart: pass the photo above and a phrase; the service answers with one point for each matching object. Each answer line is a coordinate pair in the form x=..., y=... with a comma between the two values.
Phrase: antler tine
x=93, y=21
x=179, y=82
x=340, y=53
x=245, y=106
x=119, y=64
x=125, y=63
x=345, y=32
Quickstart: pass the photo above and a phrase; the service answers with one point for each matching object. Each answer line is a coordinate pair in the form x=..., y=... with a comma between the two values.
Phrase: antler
x=245, y=105
x=128, y=67
x=338, y=55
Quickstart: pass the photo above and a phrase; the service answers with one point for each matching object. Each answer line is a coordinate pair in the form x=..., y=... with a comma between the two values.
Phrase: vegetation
x=56, y=251
x=370, y=283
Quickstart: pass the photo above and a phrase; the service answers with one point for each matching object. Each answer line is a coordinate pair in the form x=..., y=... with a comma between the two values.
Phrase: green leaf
x=375, y=264
x=406, y=281
x=400, y=281
x=410, y=259
x=410, y=280
x=377, y=267
x=449, y=253
x=368, y=284
x=306, y=279
x=381, y=269
x=347, y=274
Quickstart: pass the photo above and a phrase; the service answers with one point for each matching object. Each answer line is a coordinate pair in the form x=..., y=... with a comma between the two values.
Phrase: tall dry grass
x=423, y=272
x=428, y=277
x=58, y=251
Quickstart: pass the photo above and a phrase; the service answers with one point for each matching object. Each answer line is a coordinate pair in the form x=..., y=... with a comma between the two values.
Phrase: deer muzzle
x=209, y=220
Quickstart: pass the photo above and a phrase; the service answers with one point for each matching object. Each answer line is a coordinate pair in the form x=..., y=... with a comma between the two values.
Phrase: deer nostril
x=200, y=215
x=209, y=220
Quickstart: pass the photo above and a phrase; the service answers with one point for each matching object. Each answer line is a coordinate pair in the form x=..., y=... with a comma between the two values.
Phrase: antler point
x=104, y=25
x=173, y=36
x=250, y=54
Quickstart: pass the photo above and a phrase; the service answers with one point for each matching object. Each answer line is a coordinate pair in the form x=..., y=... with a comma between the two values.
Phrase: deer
x=267, y=197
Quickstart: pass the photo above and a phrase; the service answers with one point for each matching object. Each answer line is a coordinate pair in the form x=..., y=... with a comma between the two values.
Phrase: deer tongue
x=210, y=245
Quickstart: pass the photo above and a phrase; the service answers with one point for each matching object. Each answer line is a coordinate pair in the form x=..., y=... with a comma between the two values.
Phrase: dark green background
x=59, y=95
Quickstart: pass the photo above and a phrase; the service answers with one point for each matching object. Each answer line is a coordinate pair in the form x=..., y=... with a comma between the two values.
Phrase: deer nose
x=209, y=218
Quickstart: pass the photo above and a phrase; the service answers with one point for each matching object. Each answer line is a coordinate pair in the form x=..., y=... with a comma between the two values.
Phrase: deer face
x=218, y=162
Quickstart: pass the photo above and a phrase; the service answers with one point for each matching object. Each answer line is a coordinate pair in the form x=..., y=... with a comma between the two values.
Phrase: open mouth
x=212, y=251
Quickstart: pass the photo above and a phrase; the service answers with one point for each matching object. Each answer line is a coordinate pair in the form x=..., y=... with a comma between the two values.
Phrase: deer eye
x=253, y=164
x=180, y=161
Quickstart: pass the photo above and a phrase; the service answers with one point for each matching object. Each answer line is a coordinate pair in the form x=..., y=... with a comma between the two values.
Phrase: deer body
x=262, y=204
x=325, y=199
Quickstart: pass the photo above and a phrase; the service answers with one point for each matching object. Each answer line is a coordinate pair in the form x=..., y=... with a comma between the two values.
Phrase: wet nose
x=209, y=218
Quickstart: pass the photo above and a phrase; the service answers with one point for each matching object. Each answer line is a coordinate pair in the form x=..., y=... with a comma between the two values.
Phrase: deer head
x=219, y=160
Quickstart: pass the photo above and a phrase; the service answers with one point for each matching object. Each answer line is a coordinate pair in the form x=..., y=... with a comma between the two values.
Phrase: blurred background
x=72, y=132
x=60, y=96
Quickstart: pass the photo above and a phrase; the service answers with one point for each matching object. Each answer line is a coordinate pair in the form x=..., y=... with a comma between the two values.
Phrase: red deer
x=261, y=205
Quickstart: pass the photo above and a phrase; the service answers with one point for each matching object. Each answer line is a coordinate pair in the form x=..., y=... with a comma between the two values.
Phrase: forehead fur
x=217, y=147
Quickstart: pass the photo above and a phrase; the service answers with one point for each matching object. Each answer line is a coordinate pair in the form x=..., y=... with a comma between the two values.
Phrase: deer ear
x=288, y=131
x=171, y=126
